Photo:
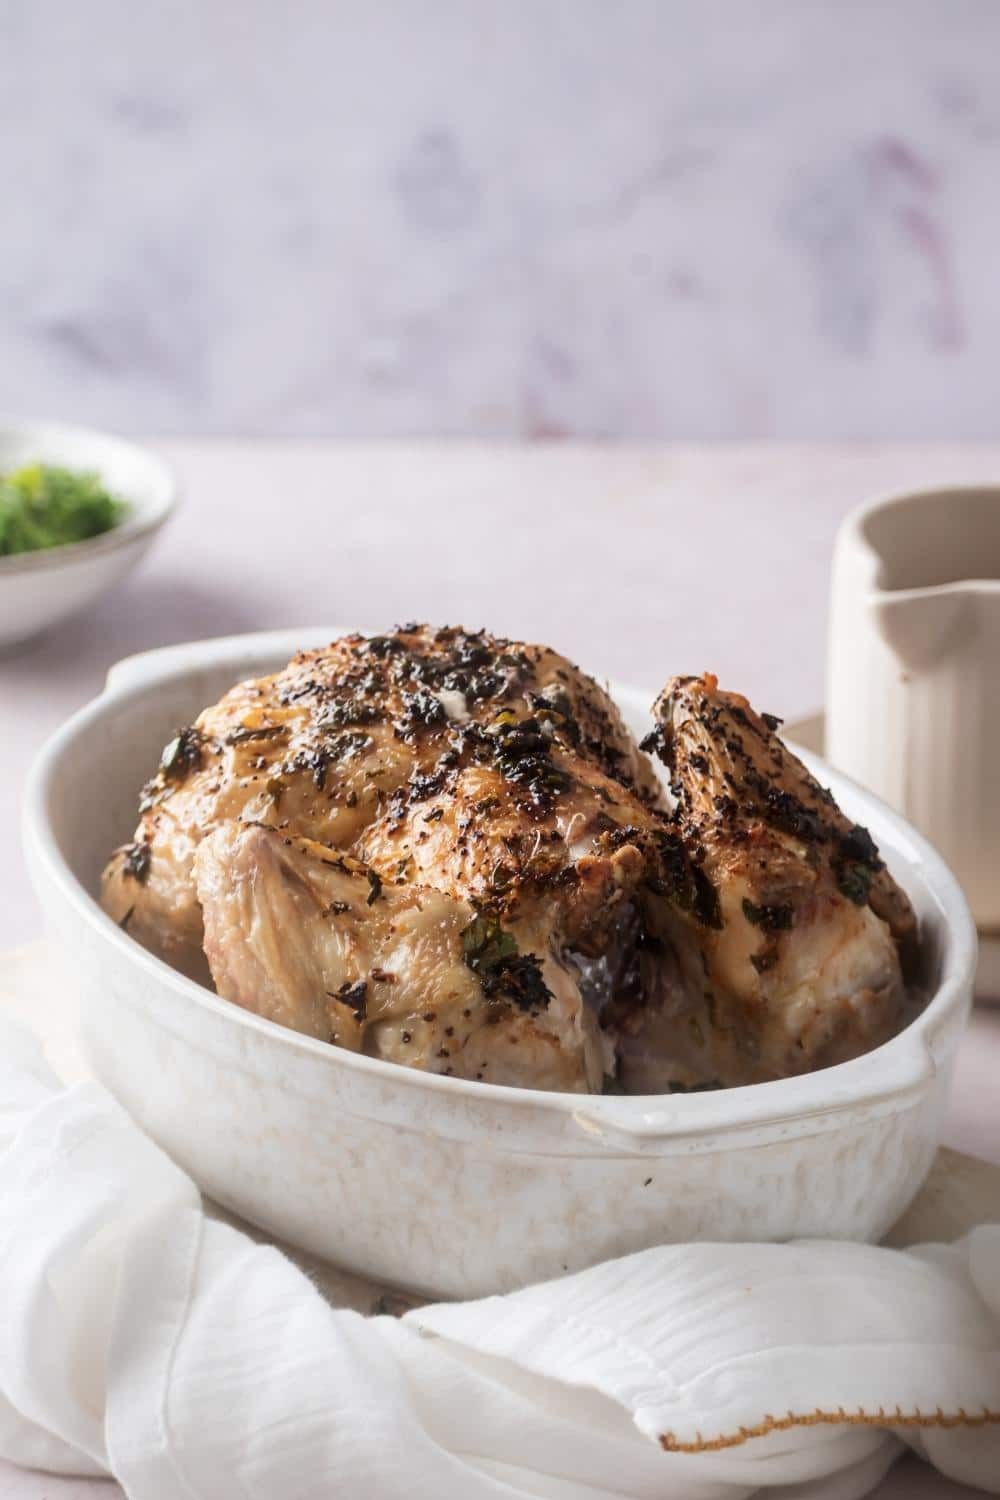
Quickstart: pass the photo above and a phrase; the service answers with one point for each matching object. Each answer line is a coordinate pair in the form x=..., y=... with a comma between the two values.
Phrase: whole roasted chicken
x=446, y=850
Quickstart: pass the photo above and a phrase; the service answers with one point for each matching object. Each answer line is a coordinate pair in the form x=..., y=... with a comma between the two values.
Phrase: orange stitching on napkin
x=860, y=1418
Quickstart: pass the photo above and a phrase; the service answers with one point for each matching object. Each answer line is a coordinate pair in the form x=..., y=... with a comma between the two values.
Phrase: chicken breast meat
x=295, y=934
x=446, y=850
x=344, y=738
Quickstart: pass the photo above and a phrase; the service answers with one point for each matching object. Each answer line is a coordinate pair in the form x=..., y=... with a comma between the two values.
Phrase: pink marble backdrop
x=537, y=218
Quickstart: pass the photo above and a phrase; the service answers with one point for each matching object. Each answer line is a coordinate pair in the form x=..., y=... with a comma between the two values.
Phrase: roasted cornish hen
x=446, y=849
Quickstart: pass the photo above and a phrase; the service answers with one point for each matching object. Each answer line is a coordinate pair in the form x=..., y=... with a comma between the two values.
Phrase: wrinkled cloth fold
x=142, y=1338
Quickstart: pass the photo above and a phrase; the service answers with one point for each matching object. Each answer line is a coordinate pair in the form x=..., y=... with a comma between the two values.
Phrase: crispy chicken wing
x=446, y=849
x=786, y=936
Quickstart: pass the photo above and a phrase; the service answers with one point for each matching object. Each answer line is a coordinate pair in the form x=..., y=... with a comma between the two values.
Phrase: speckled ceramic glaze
x=438, y=1185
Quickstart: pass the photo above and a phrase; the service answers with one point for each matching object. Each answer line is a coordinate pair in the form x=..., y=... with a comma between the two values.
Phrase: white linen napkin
x=142, y=1338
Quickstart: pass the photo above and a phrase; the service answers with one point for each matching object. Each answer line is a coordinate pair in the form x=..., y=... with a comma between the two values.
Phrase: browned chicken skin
x=291, y=929
x=788, y=941
x=471, y=817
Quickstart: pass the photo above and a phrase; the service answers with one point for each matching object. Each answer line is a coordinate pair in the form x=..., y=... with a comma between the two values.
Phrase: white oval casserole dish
x=446, y=1187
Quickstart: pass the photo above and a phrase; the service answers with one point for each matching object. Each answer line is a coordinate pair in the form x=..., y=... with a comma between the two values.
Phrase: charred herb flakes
x=137, y=861
x=657, y=742
x=523, y=755
x=778, y=917
x=182, y=754
x=491, y=953
x=685, y=882
x=854, y=882
x=355, y=997
x=247, y=734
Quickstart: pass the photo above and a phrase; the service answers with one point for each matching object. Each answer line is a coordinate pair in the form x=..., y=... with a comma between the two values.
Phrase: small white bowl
x=440, y=1185
x=38, y=589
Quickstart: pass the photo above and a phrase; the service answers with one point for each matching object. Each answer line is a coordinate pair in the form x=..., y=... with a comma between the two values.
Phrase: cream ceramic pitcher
x=913, y=691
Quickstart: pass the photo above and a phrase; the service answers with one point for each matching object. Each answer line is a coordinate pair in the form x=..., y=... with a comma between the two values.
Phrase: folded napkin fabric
x=142, y=1338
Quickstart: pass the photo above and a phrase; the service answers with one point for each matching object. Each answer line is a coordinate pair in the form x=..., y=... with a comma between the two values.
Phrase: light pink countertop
x=638, y=562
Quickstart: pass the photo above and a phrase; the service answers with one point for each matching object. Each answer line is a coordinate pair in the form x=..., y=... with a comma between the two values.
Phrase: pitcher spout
x=920, y=626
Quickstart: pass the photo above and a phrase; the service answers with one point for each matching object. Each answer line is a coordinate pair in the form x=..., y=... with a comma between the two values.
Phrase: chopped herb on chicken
x=775, y=918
